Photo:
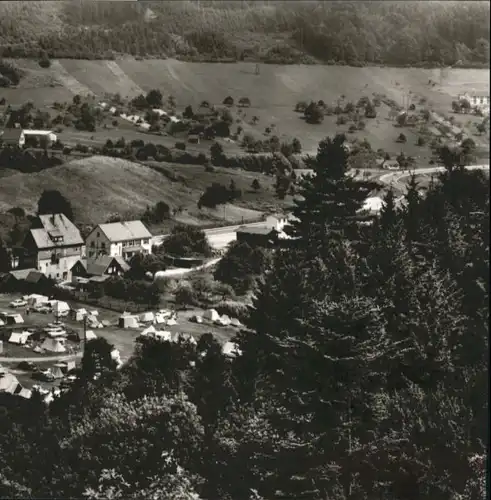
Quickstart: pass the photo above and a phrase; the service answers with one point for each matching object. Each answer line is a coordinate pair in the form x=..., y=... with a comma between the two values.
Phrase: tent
x=90, y=335
x=9, y=383
x=211, y=315
x=224, y=320
x=230, y=349
x=187, y=337
x=70, y=365
x=53, y=345
x=25, y=393
x=163, y=335
x=57, y=373
x=60, y=307
x=147, y=317
x=93, y=322
x=78, y=314
x=148, y=331
x=14, y=319
x=35, y=299
x=38, y=349
x=2, y=322
x=235, y=322
x=94, y=312
x=128, y=321
x=171, y=322
x=160, y=318
x=19, y=338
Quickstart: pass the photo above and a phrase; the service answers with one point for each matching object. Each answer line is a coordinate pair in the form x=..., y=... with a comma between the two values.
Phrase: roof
x=99, y=279
x=37, y=132
x=99, y=266
x=56, y=225
x=11, y=134
x=264, y=230
x=35, y=277
x=21, y=274
x=124, y=231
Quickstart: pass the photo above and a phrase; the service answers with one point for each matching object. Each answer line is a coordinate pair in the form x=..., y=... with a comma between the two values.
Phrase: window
x=92, y=244
x=98, y=234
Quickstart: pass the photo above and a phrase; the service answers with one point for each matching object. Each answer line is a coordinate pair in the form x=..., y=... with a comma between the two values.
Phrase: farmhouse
x=119, y=239
x=13, y=137
x=102, y=265
x=54, y=247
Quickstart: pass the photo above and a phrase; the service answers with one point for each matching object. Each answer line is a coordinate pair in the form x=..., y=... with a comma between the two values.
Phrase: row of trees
x=363, y=373
x=380, y=33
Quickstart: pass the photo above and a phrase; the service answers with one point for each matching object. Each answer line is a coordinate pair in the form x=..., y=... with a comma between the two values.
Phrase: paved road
x=219, y=237
x=394, y=178
x=46, y=359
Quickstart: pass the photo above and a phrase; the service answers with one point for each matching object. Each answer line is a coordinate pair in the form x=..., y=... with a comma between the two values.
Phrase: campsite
x=120, y=332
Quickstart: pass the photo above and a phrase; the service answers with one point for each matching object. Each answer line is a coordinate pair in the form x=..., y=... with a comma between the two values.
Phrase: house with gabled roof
x=53, y=246
x=102, y=265
x=119, y=239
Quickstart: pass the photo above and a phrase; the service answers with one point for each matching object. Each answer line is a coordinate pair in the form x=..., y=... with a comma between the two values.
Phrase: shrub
x=228, y=101
x=187, y=241
x=421, y=141
x=256, y=185
x=233, y=309
x=352, y=129
x=401, y=138
x=341, y=120
x=181, y=146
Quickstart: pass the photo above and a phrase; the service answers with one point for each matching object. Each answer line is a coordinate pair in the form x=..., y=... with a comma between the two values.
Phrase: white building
x=475, y=100
x=54, y=247
x=40, y=135
x=119, y=239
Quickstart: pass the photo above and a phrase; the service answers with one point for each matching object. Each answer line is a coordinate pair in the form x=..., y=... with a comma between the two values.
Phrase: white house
x=53, y=247
x=40, y=135
x=475, y=100
x=119, y=239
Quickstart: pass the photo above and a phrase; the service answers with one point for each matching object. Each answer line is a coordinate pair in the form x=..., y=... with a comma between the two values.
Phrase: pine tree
x=330, y=198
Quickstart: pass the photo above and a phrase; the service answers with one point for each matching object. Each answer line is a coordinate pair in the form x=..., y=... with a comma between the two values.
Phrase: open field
x=273, y=93
x=100, y=186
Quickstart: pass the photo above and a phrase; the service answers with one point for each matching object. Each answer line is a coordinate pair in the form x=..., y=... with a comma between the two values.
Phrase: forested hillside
x=363, y=374
x=354, y=33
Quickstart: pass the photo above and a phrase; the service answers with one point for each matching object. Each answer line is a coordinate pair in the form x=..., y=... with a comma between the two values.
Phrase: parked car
x=27, y=366
x=18, y=303
x=42, y=308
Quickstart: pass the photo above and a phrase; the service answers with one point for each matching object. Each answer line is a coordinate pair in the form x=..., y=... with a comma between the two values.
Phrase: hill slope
x=99, y=187
x=403, y=33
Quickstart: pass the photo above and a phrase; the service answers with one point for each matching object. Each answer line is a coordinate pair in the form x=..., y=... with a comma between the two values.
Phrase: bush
x=185, y=296
x=421, y=141
x=402, y=138
x=45, y=63
x=181, y=146
x=228, y=101
x=187, y=241
x=341, y=120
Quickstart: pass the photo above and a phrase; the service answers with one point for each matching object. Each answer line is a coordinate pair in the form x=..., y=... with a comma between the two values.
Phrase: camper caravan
x=36, y=299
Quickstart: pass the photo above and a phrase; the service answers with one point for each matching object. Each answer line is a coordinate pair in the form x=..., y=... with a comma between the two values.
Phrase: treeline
x=363, y=373
x=386, y=33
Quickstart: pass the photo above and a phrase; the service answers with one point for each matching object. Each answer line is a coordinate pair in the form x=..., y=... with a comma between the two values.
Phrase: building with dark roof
x=54, y=247
x=102, y=265
x=254, y=236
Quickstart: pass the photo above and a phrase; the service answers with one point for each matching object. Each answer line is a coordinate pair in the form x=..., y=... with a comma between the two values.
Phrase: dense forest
x=362, y=373
x=354, y=33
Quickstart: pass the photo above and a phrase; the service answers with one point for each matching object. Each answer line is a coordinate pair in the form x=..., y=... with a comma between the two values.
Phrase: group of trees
x=187, y=241
x=381, y=33
x=218, y=194
x=363, y=373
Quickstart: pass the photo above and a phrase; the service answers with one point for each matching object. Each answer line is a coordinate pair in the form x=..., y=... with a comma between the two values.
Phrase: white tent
x=171, y=322
x=8, y=383
x=147, y=317
x=60, y=307
x=224, y=320
x=14, y=319
x=16, y=338
x=116, y=357
x=53, y=345
x=187, y=337
x=78, y=314
x=94, y=312
x=90, y=335
x=148, y=331
x=25, y=393
x=128, y=321
x=160, y=318
x=38, y=349
x=2, y=322
x=163, y=335
x=35, y=299
x=57, y=373
x=235, y=322
x=211, y=315
x=230, y=349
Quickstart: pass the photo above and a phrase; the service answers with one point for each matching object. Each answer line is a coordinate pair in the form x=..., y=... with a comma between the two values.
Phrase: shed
x=128, y=321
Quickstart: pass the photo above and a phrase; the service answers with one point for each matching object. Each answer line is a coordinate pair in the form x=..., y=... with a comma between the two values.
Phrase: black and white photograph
x=244, y=249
